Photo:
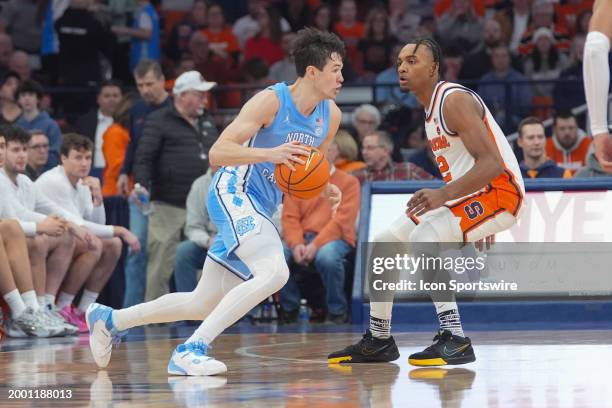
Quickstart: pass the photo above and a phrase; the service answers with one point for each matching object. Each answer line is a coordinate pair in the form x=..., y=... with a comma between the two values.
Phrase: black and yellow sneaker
x=448, y=349
x=368, y=350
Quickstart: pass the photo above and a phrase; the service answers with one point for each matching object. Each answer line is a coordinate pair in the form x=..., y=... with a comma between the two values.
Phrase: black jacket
x=171, y=154
x=87, y=124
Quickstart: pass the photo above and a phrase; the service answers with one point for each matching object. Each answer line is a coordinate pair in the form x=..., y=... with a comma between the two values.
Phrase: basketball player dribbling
x=245, y=263
x=596, y=72
x=482, y=196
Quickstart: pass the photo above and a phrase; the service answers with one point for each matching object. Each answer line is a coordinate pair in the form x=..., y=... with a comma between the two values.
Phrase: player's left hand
x=334, y=195
x=425, y=200
x=603, y=150
x=483, y=243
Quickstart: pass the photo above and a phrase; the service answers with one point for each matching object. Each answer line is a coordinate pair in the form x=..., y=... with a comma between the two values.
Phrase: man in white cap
x=171, y=154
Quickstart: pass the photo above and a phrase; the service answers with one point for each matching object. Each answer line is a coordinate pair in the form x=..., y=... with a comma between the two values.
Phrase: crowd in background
x=144, y=136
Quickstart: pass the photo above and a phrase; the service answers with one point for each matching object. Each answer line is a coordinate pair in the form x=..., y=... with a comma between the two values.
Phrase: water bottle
x=304, y=314
x=143, y=198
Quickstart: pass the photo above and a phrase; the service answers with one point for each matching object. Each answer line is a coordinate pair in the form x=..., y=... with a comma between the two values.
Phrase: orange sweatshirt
x=114, y=146
x=573, y=158
x=315, y=215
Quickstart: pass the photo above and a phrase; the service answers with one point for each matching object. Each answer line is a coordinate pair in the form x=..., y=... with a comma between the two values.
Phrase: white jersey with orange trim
x=454, y=160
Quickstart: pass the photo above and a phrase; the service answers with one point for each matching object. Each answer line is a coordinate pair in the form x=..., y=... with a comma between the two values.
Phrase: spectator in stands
x=145, y=34
x=297, y=13
x=94, y=123
x=150, y=81
x=506, y=108
x=582, y=22
x=452, y=61
x=478, y=63
x=6, y=50
x=569, y=145
x=345, y=150
x=200, y=232
x=376, y=46
x=349, y=28
x=315, y=235
x=38, y=154
x=543, y=16
x=180, y=35
x=284, y=70
x=210, y=65
x=423, y=156
x=544, y=63
x=247, y=26
x=592, y=167
x=460, y=28
x=82, y=39
x=402, y=23
x=49, y=228
x=376, y=149
x=114, y=145
x=322, y=18
x=221, y=40
x=569, y=91
x=171, y=154
x=27, y=317
x=514, y=21
x=121, y=15
x=387, y=91
x=69, y=186
x=266, y=43
x=18, y=19
x=20, y=63
x=9, y=108
x=29, y=96
x=532, y=141
x=365, y=119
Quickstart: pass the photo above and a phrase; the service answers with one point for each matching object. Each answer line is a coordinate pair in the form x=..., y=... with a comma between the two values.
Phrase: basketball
x=308, y=180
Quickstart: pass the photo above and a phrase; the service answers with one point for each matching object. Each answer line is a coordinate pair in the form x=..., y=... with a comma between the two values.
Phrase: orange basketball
x=308, y=180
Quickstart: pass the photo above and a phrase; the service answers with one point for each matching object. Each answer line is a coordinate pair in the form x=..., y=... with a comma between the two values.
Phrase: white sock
x=29, y=298
x=597, y=80
x=87, y=299
x=64, y=299
x=41, y=301
x=448, y=315
x=15, y=303
x=380, y=319
x=49, y=300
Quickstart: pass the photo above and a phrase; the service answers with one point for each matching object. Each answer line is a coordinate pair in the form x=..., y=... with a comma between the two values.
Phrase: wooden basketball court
x=513, y=369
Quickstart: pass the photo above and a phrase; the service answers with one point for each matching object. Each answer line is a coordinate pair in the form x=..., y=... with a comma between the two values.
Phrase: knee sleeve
x=597, y=80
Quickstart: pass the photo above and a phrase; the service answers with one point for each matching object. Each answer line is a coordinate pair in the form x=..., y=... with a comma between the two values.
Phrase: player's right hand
x=299, y=251
x=603, y=151
x=288, y=153
x=52, y=225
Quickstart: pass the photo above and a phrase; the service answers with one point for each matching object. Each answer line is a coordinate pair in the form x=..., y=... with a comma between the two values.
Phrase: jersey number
x=474, y=209
x=444, y=169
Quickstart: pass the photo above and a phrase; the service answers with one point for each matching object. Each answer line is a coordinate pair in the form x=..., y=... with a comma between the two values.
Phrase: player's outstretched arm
x=258, y=112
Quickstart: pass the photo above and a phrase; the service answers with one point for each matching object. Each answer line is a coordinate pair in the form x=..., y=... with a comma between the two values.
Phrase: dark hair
x=10, y=74
x=14, y=133
x=369, y=26
x=111, y=82
x=74, y=141
x=274, y=24
x=563, y=114
x=254, y=69
x=316, y=12
x=30, y=86
x=530, y=120
x=121, y=115
x=148, y=65
x=434, y=48
x=314, y=47
x=537, y=57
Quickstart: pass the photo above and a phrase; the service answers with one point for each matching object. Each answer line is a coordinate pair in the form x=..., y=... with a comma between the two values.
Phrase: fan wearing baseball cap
x=171, y=154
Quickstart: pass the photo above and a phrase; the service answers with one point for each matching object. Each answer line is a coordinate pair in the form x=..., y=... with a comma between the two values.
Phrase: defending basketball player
x=482, y=196
x=245, y=263
x=596, y=74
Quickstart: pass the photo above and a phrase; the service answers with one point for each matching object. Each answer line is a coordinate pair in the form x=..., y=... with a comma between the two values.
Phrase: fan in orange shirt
x=567, y=146
x=221, y=40
x=114, y=146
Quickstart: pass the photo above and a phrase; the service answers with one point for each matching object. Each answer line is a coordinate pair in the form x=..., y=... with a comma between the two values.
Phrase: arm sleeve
x=292, y=228
x=147, y=153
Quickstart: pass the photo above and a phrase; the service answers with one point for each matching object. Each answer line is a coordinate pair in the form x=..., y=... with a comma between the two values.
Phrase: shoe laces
x=441, y=336
x=199, y=348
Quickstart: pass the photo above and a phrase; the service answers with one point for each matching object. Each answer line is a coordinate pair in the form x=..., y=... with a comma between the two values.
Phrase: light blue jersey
x=242, y=197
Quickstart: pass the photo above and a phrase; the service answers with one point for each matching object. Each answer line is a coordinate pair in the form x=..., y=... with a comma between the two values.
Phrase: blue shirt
x=145, y=48
x=257, y=180
x=50, y=128
x=392, y=94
